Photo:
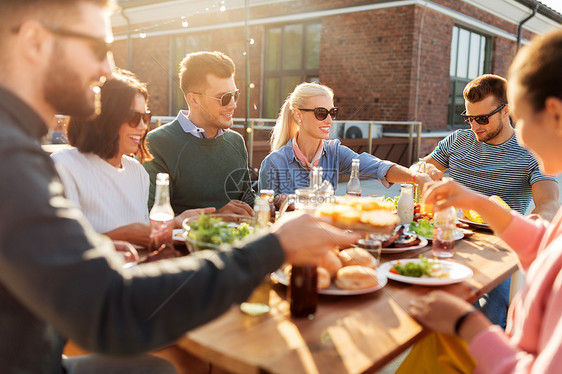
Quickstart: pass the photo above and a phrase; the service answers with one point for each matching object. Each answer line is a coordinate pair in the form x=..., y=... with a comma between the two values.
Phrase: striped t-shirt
x=507, y=170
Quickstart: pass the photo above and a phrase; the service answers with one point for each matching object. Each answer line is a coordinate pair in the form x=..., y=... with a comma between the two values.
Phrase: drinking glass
x=372, y=244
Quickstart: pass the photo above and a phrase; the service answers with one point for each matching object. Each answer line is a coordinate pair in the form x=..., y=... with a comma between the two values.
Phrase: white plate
x=457, y=273
x=475, y=224
x=423, y=243
x=281, y=277
x=457, y=234
x=177, y=235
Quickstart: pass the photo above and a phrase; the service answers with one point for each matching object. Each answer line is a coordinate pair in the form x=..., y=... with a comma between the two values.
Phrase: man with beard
x=58, y=278
x=487, y=159
x=207, y=162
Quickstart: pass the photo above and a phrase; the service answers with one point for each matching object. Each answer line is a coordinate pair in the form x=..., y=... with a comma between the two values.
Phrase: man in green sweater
x=207, y=162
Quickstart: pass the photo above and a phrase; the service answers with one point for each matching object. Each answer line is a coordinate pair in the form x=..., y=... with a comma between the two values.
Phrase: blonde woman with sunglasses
x=300, y=141
x=100, y=175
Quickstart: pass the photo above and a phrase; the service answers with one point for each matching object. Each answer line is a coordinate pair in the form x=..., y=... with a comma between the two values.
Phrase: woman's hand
x=178, y=220
x=449, y=193
x=440, y=311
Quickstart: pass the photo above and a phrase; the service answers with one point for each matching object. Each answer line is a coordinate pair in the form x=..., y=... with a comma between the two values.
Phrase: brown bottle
x=303, y=296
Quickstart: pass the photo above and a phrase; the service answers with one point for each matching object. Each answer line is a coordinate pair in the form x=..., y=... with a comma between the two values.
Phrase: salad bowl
x=211, y=231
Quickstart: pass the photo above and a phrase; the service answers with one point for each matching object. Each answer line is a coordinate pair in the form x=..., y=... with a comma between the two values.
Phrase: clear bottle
x=405, y=208
x=418, y=192
x=258, y=302
x=443, y=245
x=162, y=219
x=354, y=185
x=268, y=195
x=316, y=177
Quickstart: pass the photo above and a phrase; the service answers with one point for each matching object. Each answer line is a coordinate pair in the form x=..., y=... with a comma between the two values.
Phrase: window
x=181, y=46
x=470, y=56
x=292, y=56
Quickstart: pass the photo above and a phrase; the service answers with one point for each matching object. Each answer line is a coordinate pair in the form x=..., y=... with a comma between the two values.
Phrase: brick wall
x=387, y=64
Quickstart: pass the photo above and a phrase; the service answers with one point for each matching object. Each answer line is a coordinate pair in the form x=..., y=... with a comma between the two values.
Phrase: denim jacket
x=282, y=172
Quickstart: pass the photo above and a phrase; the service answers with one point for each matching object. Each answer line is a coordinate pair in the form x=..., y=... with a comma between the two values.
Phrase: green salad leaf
x=213, y=230
x=423, y=228
x=415, y=269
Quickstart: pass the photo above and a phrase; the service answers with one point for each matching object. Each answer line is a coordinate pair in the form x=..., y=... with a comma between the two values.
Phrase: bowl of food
x=211, y=231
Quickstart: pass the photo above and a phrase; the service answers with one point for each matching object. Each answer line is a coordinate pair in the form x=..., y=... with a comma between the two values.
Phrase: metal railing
x=268, y=124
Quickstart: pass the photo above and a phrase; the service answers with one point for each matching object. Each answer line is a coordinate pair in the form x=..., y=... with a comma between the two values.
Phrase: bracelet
x=414, y=177
x=461, y=320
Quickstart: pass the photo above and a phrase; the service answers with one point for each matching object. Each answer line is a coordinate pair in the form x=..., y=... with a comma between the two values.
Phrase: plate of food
x=362, y=214
x=424, y=229
x=400, y=241
x=472, y=218
x=426, y=272
x=210, y=231
x=342, y=273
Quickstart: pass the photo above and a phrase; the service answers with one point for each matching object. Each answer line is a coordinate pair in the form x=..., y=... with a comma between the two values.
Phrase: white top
x=109, y=197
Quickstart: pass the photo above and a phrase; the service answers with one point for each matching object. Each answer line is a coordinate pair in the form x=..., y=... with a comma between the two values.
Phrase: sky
x=554, y=4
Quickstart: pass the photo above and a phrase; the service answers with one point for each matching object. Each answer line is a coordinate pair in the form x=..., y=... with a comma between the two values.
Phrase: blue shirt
x=191, y=128
x=283, y=173
x=507, y=170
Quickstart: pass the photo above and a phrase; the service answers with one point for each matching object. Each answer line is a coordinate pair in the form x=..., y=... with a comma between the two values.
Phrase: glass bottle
x=316, y=177
x=444, y=233
x=418, y=192
x=303, y=292
x=354, y=185
x=405, y=208
x=268, y=195
x=258, y=302
x=162, y=220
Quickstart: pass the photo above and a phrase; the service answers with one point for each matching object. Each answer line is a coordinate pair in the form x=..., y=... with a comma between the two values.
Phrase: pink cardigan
x=532, y=342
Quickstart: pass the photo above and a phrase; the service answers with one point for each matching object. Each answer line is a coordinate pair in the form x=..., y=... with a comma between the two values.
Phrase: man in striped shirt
x=488, y=159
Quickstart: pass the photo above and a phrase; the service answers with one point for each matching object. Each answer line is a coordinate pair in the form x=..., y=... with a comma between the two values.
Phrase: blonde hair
x=286, y=127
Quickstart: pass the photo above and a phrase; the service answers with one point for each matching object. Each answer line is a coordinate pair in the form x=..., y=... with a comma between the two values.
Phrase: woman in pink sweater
x=532, y=342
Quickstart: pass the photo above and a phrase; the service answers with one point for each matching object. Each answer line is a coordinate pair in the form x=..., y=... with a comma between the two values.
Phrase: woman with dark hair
x=532, y=342
x=100, y=175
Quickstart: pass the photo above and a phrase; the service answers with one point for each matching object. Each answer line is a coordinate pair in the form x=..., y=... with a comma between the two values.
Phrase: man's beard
x=63, y=89
x=492, y=135
x=214, y=121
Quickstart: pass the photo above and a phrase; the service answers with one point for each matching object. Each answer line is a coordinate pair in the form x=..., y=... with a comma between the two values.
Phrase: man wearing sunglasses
x=207, y=162
x=487, y=159
x=58, y=278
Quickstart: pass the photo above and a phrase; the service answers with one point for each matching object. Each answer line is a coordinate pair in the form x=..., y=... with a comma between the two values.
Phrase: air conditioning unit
x=354, y=130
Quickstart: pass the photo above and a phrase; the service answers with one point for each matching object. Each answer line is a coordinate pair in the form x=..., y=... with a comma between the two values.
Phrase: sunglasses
x=225, y=97
x=100, y=47
x=322, y=113
x=481, y=120
x=135, y=117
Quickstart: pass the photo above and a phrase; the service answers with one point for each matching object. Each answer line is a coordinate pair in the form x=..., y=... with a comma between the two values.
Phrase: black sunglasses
x=135, y=117
x=225, y=97
x=481, y=120
x=99, y=46
x=322, y=113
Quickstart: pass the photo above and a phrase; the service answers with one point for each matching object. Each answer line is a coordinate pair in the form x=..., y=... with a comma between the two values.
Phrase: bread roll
x=356, y=278
x=357, y=256
x=323, y=278
x=331, y=262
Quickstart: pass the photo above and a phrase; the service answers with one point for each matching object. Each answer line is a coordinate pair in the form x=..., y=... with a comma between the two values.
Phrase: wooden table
x=350, y=334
